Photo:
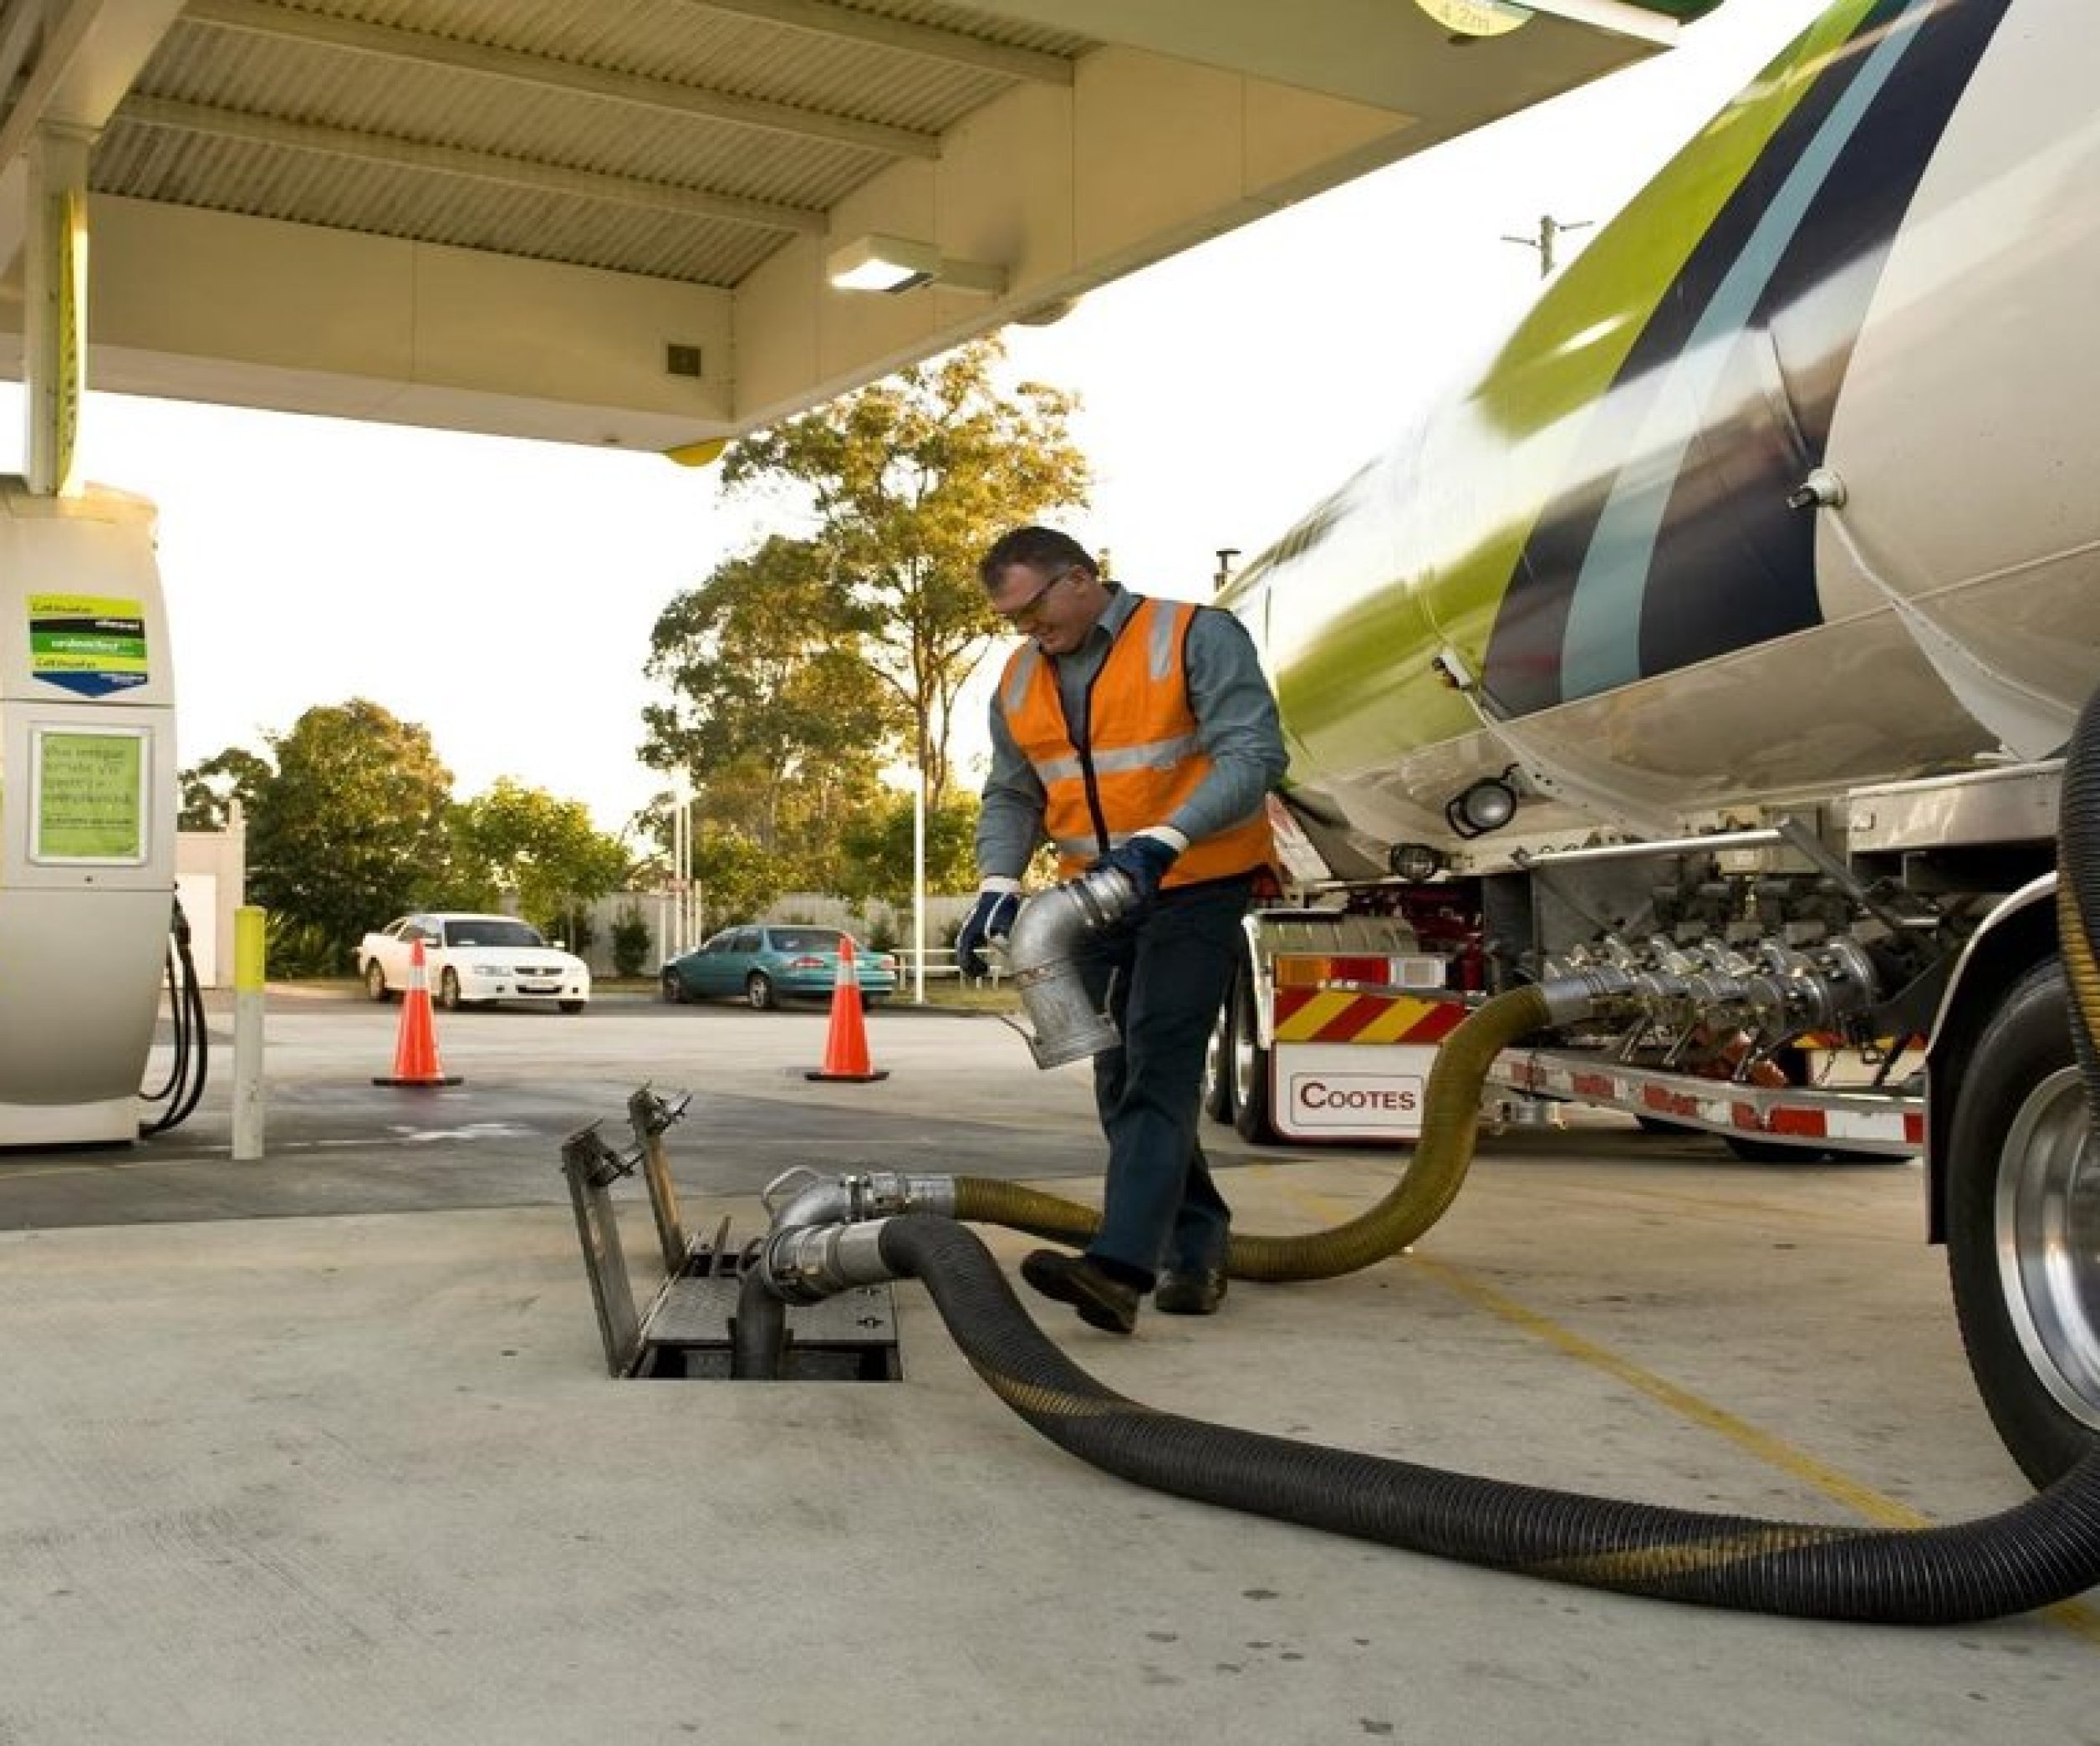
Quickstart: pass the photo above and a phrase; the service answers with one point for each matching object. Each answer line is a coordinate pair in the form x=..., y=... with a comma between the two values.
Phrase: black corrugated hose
x=2044, y=1550
x=2037, y=1554
x=758, y=1333
x=2078, y=894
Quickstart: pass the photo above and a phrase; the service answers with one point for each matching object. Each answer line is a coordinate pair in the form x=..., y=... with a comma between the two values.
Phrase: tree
x=547, y=851
x=907, y=484
x=736, y=878
x=351, y=829
x=780, y=726
x=209, y=789
x=878, y=853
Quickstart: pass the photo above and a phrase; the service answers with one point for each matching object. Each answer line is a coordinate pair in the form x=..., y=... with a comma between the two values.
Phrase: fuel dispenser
x=87, y=812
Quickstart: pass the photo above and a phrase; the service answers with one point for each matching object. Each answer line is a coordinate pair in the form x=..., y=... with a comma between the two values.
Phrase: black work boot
x=1101, y=1301
x=1196, y=1293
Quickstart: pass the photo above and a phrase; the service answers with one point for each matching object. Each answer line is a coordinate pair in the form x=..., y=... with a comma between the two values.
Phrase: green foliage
x=877, y=852
x=780, y=726
x=547, y=851
x=906, y=484
x=352, y=827
x=881, y=931
x=736, y=878
x=631, y=941
x=210, y=788
x=293, y=950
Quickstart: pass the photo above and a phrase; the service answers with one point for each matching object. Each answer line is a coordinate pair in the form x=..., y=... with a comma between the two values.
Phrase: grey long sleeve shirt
x=1235, y=721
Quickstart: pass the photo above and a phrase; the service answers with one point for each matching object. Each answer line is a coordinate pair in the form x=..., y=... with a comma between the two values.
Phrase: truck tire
x=2023, y=1229
x=1217, y=1059
x=1250, y=1069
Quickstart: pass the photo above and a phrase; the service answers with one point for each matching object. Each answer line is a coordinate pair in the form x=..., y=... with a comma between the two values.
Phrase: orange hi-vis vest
x=1137, y=756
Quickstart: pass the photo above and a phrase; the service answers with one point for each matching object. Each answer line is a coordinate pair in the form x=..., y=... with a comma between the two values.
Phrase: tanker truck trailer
x=1725, y=630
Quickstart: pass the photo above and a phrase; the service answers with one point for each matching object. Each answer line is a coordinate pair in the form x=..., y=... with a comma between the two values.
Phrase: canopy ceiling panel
x=609, y=221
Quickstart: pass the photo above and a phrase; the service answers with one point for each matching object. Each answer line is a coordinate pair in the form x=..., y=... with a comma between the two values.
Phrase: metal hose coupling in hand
x=1046, y=933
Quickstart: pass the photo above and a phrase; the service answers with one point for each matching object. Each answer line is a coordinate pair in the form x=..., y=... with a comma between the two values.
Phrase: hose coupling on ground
x=800, y=1197
x=808, y=1264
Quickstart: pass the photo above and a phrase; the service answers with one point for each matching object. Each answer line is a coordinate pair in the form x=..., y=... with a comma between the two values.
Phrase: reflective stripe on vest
x=1143, y=759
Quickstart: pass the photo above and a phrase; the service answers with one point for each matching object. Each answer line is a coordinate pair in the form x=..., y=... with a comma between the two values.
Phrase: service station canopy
x=616, y=222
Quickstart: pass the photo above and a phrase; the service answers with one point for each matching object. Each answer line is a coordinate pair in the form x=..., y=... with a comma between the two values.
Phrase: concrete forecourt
x=322, y=1447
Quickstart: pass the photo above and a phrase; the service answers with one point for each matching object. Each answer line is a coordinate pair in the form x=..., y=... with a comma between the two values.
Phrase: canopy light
x=892, y=264
x=1476, y=17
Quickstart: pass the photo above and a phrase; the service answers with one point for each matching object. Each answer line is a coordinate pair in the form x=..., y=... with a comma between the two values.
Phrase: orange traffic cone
x=415, y=1061
x=846, y=1047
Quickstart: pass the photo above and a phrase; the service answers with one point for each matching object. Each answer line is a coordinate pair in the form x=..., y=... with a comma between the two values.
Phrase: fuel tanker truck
x=1724, y=631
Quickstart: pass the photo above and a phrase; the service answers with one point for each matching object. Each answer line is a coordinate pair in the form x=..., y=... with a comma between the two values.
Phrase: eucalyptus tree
x=897, y=490
x=770, y=713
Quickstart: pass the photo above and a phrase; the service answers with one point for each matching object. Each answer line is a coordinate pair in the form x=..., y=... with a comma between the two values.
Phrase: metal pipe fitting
x=1046, y=934
x=808, y=1263
x=1580, y=994
x=799, y=1199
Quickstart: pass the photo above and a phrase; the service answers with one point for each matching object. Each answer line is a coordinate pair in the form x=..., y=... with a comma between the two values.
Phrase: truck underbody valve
x=1704, y=998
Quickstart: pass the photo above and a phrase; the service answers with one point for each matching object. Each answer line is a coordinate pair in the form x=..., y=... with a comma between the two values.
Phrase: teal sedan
x=762, y=965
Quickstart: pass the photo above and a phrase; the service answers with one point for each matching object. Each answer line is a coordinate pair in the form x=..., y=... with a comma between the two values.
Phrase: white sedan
x=472, y=959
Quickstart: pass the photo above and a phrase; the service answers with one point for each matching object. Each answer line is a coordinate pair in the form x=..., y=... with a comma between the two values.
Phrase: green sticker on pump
x=91, y=645
x=90, y=797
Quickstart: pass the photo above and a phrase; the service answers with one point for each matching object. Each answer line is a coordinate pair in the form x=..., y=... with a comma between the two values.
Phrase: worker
x=1136, y=733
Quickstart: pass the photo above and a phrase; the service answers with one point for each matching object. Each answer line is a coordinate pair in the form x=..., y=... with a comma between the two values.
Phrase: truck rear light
x=1306, y=971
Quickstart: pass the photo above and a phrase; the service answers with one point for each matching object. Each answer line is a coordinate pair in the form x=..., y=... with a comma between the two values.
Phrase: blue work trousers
x=1164, y=977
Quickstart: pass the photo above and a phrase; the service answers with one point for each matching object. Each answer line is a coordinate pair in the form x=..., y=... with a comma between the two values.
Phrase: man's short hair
x=1040, y=549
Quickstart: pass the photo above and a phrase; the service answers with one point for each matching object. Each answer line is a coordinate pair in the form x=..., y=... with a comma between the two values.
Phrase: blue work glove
x=991, y=918
x=1144, y=861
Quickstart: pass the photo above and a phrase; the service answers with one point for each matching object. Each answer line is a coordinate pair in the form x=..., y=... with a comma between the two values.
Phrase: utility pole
x=1223, y=573
x=1550, y=229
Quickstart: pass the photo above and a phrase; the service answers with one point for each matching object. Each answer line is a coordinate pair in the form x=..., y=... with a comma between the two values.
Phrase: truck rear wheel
x=2023, y=1230
x=1217, y=1059
x=1250, y=1068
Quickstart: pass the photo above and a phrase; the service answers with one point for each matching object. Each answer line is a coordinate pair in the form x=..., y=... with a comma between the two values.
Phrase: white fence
x=671, y=932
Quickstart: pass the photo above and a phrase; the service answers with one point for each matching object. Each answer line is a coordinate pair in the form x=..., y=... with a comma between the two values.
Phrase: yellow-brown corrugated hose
x=1451, y=1122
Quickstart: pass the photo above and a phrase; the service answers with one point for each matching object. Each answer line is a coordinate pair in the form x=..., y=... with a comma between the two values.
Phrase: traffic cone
x=415, y=1061
x=846, y=1047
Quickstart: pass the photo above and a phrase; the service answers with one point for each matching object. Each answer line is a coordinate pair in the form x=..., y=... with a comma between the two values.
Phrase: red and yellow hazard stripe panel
x=1335, y=1015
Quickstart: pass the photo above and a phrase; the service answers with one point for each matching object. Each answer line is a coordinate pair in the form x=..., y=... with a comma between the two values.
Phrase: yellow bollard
x=248, y=935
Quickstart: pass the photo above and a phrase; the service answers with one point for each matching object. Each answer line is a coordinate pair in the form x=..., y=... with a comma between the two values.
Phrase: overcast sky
x=502, y=592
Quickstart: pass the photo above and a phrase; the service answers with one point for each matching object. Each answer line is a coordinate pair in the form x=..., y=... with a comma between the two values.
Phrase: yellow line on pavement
x=2074, y=1616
